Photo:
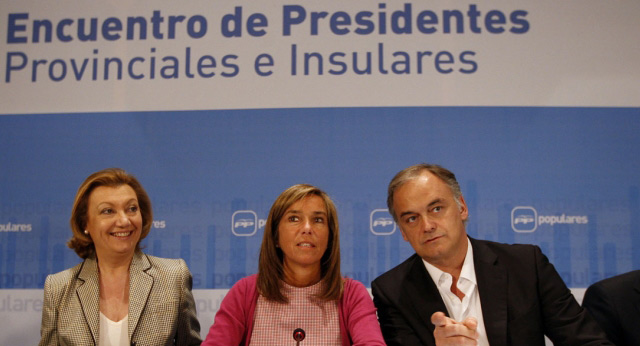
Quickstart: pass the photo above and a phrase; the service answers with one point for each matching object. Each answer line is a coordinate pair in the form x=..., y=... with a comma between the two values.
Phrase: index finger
x=439, y=319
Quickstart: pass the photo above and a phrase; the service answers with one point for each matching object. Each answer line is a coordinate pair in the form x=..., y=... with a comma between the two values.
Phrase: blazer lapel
x=140, y=283
x=423, y=298
x=89, y=296
x=492, y=287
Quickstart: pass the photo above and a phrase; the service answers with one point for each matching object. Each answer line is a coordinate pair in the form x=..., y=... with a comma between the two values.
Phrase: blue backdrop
x=212, y=176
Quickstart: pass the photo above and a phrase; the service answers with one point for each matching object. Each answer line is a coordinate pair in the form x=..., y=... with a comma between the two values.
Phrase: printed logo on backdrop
x=159, y=224
x=525, y=219
x=245, y=223
x=15, y=227
x=381, y=222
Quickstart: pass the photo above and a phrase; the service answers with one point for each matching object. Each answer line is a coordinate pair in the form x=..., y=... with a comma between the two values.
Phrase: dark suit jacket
x=615, y=304
x=523, y=298
x=161, y=306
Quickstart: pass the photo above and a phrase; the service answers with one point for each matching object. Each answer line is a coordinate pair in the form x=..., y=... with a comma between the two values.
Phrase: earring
x=86, y=232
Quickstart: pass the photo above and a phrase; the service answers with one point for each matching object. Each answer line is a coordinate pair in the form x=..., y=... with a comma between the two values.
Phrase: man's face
x=431, y=220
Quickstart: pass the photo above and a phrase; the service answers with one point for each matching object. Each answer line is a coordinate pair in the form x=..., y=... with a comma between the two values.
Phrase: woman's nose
x=123, y=220
x=306, y=226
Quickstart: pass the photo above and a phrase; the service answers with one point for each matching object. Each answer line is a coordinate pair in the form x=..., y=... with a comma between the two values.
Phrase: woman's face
x=303, y=233
x=114, y=221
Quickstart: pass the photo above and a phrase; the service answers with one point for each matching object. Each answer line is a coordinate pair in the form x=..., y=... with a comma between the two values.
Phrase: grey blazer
x=161, y=306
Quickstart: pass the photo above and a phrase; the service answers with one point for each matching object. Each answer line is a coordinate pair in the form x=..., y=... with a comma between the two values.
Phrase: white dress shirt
x=469, y=306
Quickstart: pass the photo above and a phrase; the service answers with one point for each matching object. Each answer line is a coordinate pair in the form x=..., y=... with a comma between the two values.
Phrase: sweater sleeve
x=230, y=324
x=359, y=315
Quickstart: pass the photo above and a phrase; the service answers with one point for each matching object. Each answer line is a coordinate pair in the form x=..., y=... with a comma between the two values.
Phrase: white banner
x=116, y=55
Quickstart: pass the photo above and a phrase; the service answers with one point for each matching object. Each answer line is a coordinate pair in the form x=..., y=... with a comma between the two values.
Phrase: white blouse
x=113, y=333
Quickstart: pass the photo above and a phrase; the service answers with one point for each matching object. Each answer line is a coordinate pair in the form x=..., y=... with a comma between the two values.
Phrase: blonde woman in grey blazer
x=148, y=299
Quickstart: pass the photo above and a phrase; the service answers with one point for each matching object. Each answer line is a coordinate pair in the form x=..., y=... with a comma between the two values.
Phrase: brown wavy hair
x=82, y=243
x=270, y=265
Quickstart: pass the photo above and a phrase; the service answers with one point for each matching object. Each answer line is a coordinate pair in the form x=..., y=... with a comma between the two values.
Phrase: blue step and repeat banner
x=218, y=106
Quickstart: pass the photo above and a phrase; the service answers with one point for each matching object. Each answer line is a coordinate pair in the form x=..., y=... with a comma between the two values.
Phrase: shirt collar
x=468, y=268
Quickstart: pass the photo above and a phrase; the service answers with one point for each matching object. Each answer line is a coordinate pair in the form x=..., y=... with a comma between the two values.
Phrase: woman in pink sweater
x=298, y=291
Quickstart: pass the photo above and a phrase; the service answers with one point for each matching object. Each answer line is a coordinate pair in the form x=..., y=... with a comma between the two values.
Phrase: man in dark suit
x=615, y=304
x=458, y=290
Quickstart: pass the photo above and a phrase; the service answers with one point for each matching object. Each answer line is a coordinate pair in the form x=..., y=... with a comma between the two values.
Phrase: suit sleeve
x=48, y=329
x=188, y=331
x=394, y=326
x=597, y=302
x=361, y=320
x=565, y=321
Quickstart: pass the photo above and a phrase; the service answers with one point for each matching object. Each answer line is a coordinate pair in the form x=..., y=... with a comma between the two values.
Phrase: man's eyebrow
x=434, y=202
x=431, y=204
x=406, y=213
